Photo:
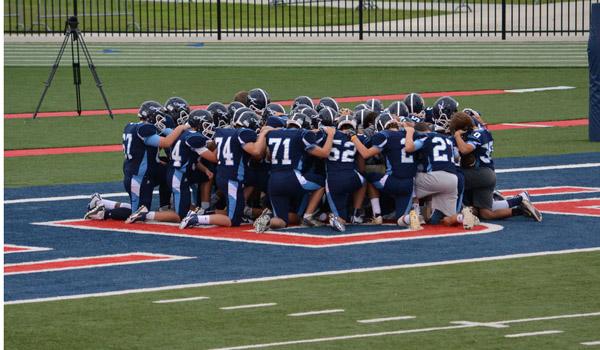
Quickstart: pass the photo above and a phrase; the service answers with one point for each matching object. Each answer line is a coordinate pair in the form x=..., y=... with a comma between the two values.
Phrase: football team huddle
x=251, y=161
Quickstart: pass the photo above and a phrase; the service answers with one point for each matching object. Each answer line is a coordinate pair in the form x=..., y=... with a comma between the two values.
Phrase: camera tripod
x=73, y=35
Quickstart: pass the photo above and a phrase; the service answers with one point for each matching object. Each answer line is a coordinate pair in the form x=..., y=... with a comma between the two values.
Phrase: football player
x=235, y=146
x=287, y=184
x=141, y=143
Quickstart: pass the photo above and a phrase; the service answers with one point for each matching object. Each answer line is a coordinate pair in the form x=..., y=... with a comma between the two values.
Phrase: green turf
x=486, y=291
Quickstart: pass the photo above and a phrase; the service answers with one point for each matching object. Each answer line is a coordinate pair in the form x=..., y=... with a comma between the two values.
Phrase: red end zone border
x=87, y=262
x=551, y=190
x=282, y=237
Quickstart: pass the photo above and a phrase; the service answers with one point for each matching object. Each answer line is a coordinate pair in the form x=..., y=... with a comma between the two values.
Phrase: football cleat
x=96, y=213
x=469, y=219
x=139, y=214
x=529, y=208
x=357, y=220
x=376, y=220
x=190, y=220
x=263, y=222
x=336, y=224
x=414, y=222
x=311, y=221
x=95, y=200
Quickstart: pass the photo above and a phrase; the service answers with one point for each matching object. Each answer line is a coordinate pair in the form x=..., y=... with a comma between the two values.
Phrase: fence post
x=503, y=19
x=360, y=19
x=594, y=64
x=219, y=29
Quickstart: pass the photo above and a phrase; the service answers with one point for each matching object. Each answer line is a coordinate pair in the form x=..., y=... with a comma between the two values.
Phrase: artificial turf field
x=524, y=293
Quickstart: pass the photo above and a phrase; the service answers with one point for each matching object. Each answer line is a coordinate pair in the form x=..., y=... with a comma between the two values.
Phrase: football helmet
x=258, y=99
x=248, y=119
x=309, y=112
x=234, y=106
x=273, y=109
x=374, y=105
x=303, y=100
x=443, y=109
x=299, y=120
x=475, y=117
x=238, y=113
x=149, y=110
x=178, y=109
x=328, y=116
x=202, y=121
x=398, y=108
x=384, y=121
x=360, y=107
x=414, y=102
x=327, y=102
x=220, y=114
x=346, y=120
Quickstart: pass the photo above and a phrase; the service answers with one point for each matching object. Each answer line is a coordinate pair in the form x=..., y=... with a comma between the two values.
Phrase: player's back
x=392, y=143
x=343, y=153
x=438, y=151
x=483, y=142
x=139, y=157
x=287, y=148
x=184, y=151
x=230, y=153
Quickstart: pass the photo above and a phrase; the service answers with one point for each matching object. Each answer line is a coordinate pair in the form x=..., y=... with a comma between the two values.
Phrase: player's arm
x=374, y=150
x=167, y=141
x=257, y=149
x=463, y=147
x=323, y=152
x=410, y=142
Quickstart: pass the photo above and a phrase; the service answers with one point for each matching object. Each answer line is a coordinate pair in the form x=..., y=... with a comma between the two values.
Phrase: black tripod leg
x=90, y=63
x=52, y=73
x=76, y=73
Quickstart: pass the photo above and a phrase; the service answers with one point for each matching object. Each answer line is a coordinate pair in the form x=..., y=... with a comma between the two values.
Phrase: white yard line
x=319, y=312
x=532, y=334
x=166, y=301
x=528, y=125
x=249, y=306
x=518, y=91
x=124, y=194
x=304, y=275
x=385, y=319
x=591, y=343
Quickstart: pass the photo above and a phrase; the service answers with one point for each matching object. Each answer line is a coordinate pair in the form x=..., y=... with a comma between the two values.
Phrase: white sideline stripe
x=404, y=331
x=385, y=319
x=303, y=275
x=531, y=334
x=124, y=194
x=320, y=312
x=528, y=125
x=518, y=91
x=249, y=306
x=549, y=167
x=165, y=301
x=589, y=314
x=30, y=249
x=591, y=343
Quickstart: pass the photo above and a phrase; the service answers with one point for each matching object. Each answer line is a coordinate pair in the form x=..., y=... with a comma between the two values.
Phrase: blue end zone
x=223, y=260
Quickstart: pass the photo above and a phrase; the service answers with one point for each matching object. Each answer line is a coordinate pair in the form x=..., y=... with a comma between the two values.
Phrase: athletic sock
x=514, y=201
x=500, y=205
x=460, y=218
x=108, y=204
x=203, y=219
x=149, y=216
x=375, y=206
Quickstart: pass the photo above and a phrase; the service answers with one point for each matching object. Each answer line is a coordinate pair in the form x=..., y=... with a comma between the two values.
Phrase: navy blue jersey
x=437, y=151
x=483, y=142
x=399, y=163
x=186, y=150
x=287, y=148
x=343, y=153
x=230, y=154
x=140, y=145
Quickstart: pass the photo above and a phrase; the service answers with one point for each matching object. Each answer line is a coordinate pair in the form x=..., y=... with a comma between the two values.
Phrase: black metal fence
x=222, y=18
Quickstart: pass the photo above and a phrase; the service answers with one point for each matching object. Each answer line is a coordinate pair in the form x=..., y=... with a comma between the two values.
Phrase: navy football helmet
x=414, y=102
x=202, y=121
x=234, y=106
x=327, y=102
x=398, y=108
x=248, y=119
x=178, y=109
x=360, y=107
x=273, y=109
x=299, y=120
x=258, y=99
x=443, y=109
x=328, y=116
x=149, y=110
x=220, y=114
x=374, y=105
x=238, y=113
x=384, y=121
x=346, y=120
x=474, y=117
x=303, y=100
